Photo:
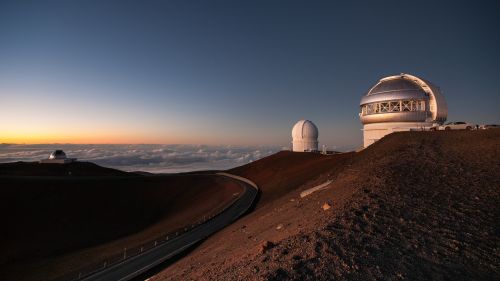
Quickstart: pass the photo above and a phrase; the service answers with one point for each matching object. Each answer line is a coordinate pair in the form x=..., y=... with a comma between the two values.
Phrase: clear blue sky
x=232, y=72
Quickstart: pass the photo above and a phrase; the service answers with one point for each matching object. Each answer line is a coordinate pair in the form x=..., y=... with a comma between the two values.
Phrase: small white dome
x=305, y=136
x=57, y=154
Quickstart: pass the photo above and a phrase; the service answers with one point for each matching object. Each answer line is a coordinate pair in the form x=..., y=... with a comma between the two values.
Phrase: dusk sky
x=232, y=72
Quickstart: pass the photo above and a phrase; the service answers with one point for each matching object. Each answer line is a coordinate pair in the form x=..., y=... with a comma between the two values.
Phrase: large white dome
x=403, y=98
x=305, y=136
x=400, y=103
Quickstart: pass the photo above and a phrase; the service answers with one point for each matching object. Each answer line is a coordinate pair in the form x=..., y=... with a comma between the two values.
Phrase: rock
x=266, y=245
x=326, y=206
x=280, y=226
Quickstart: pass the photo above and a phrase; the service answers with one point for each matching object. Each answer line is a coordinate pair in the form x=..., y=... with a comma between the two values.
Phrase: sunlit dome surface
x=400, y=103
x=403, y=98
x=397, y=88
x=305, y=129
x=57, y=154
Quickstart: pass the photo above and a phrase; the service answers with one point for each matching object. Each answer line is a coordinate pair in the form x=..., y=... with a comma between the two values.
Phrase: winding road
x=139, y=264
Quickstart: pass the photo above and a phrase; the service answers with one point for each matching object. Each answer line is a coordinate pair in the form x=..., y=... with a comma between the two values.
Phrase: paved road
x=134, y=266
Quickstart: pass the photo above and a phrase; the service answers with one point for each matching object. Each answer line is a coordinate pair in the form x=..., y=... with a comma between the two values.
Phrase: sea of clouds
x=145, y=157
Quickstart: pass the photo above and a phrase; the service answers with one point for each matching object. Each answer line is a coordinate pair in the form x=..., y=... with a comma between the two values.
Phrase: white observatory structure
x=401, y=103
x=57, y=157
x=305, y=137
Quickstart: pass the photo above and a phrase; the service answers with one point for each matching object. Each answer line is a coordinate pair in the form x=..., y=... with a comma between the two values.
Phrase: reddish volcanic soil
x=54, y=224
x=413, y=206
x=277, y=174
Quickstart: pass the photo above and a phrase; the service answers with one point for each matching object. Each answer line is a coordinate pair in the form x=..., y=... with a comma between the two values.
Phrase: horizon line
x=193, y=144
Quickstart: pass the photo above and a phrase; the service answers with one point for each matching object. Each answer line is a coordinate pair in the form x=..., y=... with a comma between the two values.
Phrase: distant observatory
x=305, y=137
x=401, y=103
x=58, y=157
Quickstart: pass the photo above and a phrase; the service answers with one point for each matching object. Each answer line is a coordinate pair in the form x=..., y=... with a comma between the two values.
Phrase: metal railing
x=130, y=252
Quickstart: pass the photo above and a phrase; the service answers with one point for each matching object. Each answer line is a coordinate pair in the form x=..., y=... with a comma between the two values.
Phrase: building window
x=406, y=105
x=393, y=106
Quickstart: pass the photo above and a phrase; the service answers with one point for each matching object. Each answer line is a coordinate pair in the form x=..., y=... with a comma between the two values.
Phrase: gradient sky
x=232, y=72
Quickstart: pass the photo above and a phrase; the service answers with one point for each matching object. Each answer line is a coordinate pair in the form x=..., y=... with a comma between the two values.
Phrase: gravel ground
x=414, y=206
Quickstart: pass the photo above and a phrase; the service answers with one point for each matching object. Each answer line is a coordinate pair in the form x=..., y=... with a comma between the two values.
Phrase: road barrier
x=239, y=178
x=136, y=250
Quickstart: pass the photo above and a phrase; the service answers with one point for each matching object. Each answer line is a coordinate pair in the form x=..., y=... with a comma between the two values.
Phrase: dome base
x=374, y=132
x=304, y=146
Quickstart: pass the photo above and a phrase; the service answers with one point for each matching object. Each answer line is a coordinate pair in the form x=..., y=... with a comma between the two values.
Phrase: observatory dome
x=400, y=103
x=305, y=136
x=57, y=154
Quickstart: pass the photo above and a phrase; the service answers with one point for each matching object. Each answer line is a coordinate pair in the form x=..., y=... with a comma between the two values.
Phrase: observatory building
x=305, y=136
x=58, y=157
x=401, y=103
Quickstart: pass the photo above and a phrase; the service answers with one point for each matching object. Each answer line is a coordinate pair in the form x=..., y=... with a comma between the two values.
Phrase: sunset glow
x=249, y=140
x=174, y=73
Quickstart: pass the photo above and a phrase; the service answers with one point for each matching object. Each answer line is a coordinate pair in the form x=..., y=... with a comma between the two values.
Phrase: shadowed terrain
x=60, y=221
x=66, y=170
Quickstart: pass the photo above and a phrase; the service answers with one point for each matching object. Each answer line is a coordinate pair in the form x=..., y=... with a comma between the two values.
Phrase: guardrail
x=137, y=250
x=239, y=178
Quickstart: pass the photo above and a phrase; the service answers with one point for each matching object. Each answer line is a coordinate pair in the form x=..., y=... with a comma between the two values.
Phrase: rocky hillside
x=413, y=206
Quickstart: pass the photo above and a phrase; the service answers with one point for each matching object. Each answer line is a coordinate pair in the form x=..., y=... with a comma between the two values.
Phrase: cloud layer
x=149, y=158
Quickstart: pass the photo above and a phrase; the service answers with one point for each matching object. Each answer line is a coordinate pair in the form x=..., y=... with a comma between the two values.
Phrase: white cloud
x=150, y=158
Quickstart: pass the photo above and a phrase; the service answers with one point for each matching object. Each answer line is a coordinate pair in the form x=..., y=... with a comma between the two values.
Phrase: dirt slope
x=280, y=173
x=54, y=224
x=413, y=206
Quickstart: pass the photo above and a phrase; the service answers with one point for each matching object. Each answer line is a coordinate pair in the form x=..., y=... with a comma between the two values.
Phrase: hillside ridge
x=415, y=206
